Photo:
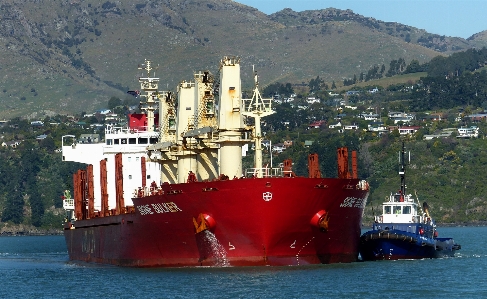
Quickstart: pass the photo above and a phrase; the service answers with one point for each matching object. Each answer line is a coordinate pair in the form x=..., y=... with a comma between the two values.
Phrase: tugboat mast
x=402, y=171
x=257, y=107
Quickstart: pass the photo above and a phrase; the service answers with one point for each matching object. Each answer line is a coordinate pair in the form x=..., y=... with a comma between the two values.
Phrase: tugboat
x=405, y=230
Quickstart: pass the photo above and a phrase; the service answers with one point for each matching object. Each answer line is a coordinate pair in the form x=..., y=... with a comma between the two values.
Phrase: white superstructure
x=117, y=140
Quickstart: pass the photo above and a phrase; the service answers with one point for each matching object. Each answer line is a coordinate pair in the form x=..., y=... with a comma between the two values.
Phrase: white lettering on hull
x=353, y=202
x=159, y=208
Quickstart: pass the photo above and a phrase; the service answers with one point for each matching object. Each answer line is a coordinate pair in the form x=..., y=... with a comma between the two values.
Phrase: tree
x=414, y=67
x=48, y=144
x=37, y=207
x=114, y=102
x=278, y=88
x=316, y=84
x=14, y=207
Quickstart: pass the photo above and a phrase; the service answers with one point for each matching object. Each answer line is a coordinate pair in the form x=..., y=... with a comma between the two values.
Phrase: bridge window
x=397, y=209
x=132, y=140
x=143, y=140
x=109, y=141
x=387, y=210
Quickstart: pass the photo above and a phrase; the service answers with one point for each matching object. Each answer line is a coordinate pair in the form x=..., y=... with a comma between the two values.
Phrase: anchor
x=206, y=222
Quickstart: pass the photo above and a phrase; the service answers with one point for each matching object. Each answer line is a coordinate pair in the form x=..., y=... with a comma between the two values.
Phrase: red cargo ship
x=200, y=208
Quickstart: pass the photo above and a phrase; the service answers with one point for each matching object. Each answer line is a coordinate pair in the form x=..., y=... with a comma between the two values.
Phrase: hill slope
x=71, y=56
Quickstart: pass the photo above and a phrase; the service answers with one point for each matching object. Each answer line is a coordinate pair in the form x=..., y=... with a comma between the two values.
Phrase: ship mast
x=149, y=86
x=257, y=107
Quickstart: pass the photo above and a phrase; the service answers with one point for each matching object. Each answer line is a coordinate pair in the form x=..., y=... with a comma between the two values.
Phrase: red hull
x=253, y=222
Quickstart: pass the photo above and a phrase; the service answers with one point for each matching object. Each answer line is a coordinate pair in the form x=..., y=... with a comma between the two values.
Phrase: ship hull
x=250, y=222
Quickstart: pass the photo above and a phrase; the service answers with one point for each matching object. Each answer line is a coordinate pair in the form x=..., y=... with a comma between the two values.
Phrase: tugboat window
x=387, y=210
x=406, y=210
x=397, y=209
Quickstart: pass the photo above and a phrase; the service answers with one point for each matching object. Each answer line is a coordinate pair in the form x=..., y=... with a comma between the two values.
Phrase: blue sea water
x=38, y=267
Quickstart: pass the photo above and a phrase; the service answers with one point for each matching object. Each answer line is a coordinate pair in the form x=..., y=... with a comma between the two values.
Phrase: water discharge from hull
x=213, y=248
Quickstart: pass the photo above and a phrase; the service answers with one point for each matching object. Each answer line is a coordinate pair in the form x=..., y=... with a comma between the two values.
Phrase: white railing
x=266, y=172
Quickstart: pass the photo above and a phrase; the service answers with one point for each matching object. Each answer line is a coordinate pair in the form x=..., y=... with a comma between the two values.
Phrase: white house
x=338, y=125
x=351, y=127
x=408, y=130
x=371, y=116
x=472, y=132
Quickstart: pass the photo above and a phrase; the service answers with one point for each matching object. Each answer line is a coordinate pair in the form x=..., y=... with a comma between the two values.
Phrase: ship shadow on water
x=210, y=250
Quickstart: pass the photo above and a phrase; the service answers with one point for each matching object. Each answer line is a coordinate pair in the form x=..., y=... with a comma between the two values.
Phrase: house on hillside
x=317, y=124
x=312, y=100
x=308, y=143
x=12, y=144
x=401, y=117
x=376, y=127
x=472, y=132
x=443, y=134
x=432, y=117
x=41, y=137
x=351, y=127
x=288, y=143
x=338, y=125
x=408, y=130
x=478, y=117
x=278, y=148
x=103, y=111
x=370, y=116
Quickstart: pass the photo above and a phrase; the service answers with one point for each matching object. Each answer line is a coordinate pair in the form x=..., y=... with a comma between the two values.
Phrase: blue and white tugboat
x=405, y=230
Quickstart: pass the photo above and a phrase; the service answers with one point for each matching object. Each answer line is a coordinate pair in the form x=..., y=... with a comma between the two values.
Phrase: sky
x=456, y=18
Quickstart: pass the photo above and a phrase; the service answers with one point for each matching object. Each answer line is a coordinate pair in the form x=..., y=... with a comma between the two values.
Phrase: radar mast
x=257, y=107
